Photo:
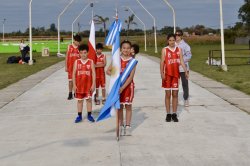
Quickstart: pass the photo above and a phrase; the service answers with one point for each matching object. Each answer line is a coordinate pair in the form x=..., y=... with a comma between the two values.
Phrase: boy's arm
x=187, y=52
x=129, y=80
x=183, y=64
x=162, y=63
x=102, y=65
x=66, y=60
x=93, y=77
x=74, y=77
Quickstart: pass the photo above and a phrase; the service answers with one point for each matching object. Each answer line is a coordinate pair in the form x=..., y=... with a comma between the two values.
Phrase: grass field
x=11, y=73
x=37, y=46
x=238, y=75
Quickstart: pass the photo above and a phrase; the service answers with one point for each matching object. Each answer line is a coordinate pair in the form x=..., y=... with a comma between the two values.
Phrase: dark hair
x=77, y=38
x=125, y=42
x=99, y=46
x=136, y=48
x=83, y=47
x=179, y=31
x=171, y=35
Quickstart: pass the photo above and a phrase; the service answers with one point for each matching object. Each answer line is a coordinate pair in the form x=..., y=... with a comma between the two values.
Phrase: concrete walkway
x=37, y=128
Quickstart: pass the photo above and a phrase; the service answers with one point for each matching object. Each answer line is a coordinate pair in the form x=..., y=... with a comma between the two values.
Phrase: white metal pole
x=58, y=26
x=145, y=34
x=77, y=18
x=223, y=65
x=30, y=32
x=3, y=28
x=174, y=18
x=156, y=50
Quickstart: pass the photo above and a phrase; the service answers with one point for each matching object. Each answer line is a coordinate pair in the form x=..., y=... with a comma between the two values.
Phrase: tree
x=130, y=21
x=102, y=20
x=52, y=28
x=244, y=14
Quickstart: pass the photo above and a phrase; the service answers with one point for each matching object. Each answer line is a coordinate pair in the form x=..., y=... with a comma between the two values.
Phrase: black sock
x=89, y=113
x=79, y=114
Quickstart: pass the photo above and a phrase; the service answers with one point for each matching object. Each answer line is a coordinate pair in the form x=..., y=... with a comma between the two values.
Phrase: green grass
x=238, y=74
x=37, y=46
x=11, y=73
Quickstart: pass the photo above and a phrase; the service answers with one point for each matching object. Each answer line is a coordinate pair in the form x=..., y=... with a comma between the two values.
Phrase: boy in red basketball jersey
x=84, y=82
x=71, y=56
x=100, y=73
x=171, y=59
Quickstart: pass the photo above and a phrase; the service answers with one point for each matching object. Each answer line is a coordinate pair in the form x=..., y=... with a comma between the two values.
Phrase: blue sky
x=188, y=12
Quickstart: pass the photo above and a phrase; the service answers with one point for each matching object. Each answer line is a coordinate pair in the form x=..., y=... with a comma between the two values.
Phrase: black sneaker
x=174, y=117
x=70, y=97
x=168, y=118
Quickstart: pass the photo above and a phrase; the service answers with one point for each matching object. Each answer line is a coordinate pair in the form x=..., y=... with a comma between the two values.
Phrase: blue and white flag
x=112, y=103
x=117, y=80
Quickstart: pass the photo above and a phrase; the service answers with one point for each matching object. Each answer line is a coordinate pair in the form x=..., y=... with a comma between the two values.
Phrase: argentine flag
x=113, y=103
x=117, y=79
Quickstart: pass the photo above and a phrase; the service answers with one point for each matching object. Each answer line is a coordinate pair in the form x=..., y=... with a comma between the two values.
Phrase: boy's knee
x=175, y=95
x=168, y=95
x=128, y=106
x=79, y=101
x=89, y=100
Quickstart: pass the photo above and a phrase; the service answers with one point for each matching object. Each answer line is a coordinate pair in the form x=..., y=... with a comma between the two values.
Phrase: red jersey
x=127, y=95
x=100, y=73
x=72, y=55
x=124, y=64
x=83, y=76
x=172, y=62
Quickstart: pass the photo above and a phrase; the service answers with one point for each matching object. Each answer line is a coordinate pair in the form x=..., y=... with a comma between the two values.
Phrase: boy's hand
x=108, y=72
x=66, y=69
x=92, y=89
x=163, y=76
x=187, y=75
x=120, y=91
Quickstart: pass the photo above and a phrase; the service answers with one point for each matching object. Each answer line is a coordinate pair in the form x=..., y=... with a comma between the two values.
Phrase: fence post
x=209, y=58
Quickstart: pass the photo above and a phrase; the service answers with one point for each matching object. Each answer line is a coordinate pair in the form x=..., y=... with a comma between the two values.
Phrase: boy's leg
x=70, y=90
x=174, y=105
x=185, y=88
x=120, y=111
x=174, y=100
x=79, y=111
x=89, y=110
x=167, y=104
x=120, y=121
x=103, y=95
x=70, y=86
x=97, y=101
x=128, y=119
x=79, y=106
x=128, y=114
x=167, y=100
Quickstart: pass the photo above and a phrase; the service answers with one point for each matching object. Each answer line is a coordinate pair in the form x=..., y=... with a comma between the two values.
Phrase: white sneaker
x=128, y=131
x=186, y=103
x=122, y=131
